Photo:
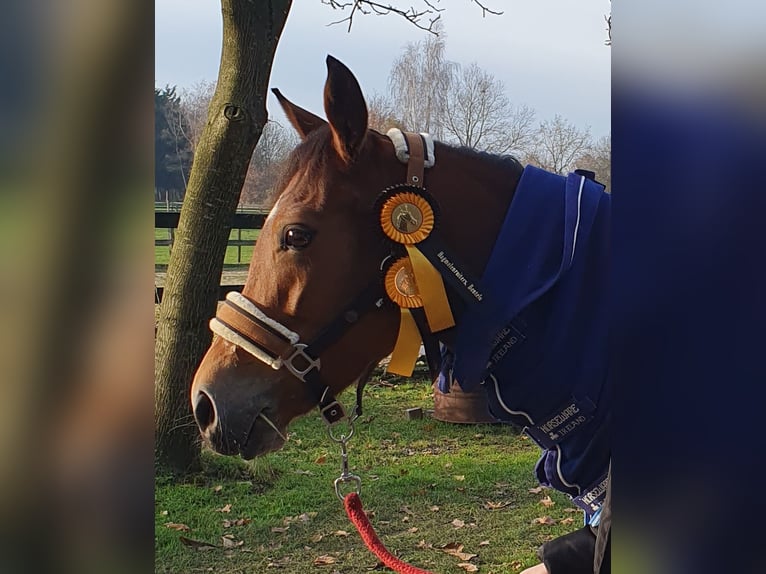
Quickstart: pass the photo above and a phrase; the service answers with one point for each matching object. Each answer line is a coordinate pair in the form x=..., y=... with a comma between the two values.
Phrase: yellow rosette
x=407, y=218
x=402, y=290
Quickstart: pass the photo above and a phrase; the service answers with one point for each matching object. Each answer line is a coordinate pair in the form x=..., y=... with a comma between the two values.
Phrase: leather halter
x=240, y=322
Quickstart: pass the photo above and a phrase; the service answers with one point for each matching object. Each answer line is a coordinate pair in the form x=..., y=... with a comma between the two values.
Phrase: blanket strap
x=356, y=514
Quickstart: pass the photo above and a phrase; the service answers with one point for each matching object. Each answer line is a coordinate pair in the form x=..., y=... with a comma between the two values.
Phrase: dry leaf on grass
x=457, y=523
x=547, y=502
x=226, y=508
x=317, y=538
x=195, y=543
x=459, y=477
x=340, y=533
x=279, y=563
x=280, y=529
x=412, y=530
x=468, y=567
x=544, y=520
x=571, y=510
x=517, y=564
x=567, y=520
x=237, y=522
x=321, y=459
x=489, y=505
x=484, y=543
x=324, y=560
x=177, y=526
x=218, y=488
x=227, y=540
x=536, y=490
x=434, y=508
x=306, y=472
x=164, y=513
x=456, y=550
x=406, y=510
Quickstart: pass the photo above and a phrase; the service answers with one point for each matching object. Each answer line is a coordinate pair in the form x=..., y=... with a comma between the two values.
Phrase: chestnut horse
x=312, y=320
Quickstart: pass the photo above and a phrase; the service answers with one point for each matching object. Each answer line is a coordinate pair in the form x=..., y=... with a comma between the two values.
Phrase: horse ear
x=345, y=109
x=302, y=120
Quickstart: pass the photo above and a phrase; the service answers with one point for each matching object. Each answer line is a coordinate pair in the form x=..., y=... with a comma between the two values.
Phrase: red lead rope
x=356, y=514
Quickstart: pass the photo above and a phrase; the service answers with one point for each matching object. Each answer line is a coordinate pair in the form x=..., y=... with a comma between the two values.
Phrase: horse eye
x=296, y=237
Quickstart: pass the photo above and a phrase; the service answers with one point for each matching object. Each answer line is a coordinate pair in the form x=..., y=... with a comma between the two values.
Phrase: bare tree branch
x=485, y=10
x=424, y=17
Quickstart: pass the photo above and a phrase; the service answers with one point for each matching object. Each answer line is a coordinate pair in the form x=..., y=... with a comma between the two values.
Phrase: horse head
x=308, y=323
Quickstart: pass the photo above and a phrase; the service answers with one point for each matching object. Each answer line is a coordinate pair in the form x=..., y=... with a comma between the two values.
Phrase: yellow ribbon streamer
x=431, y=290
x=407, y=346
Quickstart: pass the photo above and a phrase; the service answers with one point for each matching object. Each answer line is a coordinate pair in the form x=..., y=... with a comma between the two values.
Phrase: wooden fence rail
x=169, y=220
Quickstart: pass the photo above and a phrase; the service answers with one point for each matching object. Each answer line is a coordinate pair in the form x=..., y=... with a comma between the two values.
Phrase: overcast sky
x=549, y=53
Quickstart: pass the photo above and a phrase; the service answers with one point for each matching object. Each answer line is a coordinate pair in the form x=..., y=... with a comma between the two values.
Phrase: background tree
x=172, y=152
x=195, y=102
x=236, y=117
x=598, y=159
x=381, y=114
x=275, y=145
x=558, y=143
x=478, y=113
x=418, y=84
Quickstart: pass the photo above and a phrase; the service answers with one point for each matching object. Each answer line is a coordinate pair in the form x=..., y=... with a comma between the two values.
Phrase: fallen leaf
x=468, y=567
x=571, y=510
x=164, y=513
x=544, y=520
x=324, y=560
x=229, y=542
x=536, y=490
x=422, y=544
x=177, y=526
x=321, y=460
x=459, y=477
x=412, y=530
x=567, y=520
x=547, y=502
x=226, y=508
x=340, y=533
x=317, y=538
x=457, y=523
x=447, y=465
x=218, y=488
x=237, y=522
x=306, y=516
x=517, y=564
x=434, y=508
x=195, y=543
x=279, y=563
x=489, y=505
x=484, y=543
x=307, y=472
x=456, y=550
x=280, y=529
x=406, y=510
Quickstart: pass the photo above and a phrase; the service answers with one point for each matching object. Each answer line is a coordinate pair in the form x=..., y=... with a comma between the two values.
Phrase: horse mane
x=500, y=161
x=311, y=155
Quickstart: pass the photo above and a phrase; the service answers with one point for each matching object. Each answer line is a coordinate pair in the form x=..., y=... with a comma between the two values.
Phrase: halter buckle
x=300, y=353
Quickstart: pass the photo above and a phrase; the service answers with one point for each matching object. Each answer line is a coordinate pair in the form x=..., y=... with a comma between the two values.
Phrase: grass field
x=162, y=253
x=428, y=484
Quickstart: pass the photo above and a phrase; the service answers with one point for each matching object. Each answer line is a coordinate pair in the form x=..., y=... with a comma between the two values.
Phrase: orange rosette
x=407, y=218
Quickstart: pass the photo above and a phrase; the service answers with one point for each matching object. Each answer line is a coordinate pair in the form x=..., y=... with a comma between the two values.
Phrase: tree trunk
x=235, y=121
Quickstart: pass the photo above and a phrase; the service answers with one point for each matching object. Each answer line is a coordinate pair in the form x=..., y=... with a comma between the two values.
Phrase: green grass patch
x=417, y=477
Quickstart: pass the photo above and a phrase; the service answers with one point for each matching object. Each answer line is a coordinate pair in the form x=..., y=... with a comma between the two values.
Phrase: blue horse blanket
x=538, y=340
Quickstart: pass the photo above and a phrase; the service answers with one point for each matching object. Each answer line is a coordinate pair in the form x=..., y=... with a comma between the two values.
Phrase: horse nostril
x=204, y=411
